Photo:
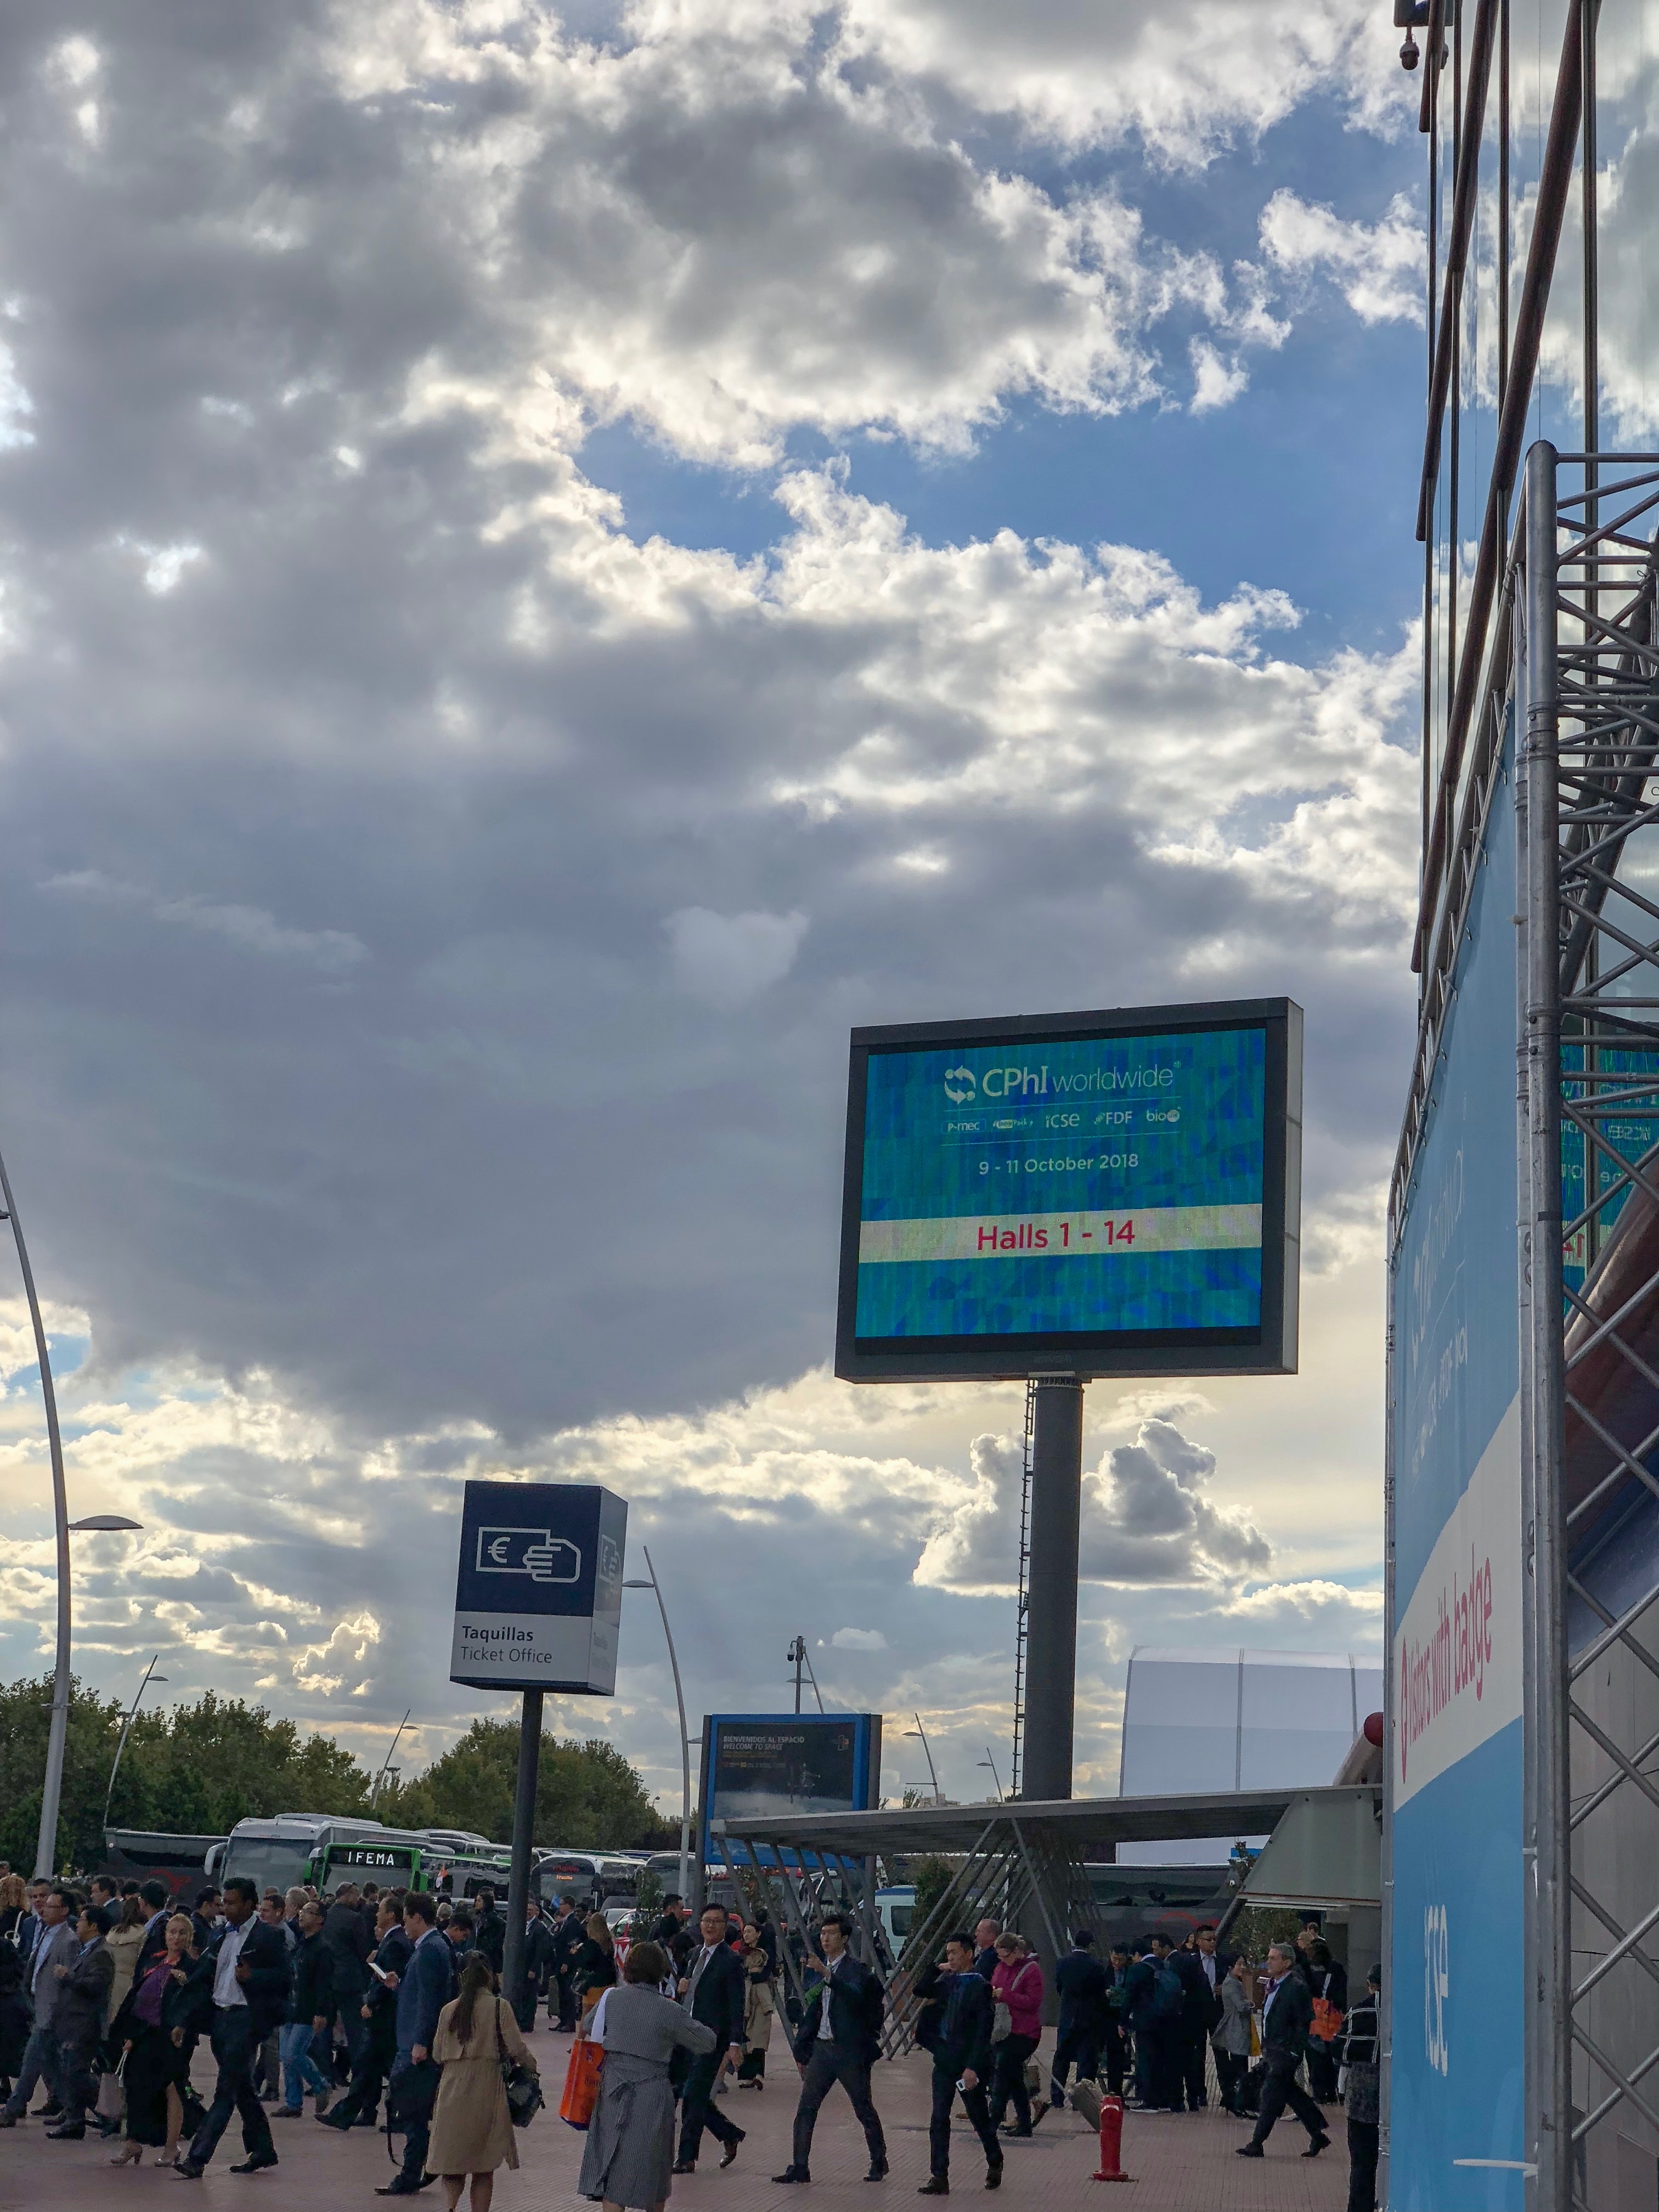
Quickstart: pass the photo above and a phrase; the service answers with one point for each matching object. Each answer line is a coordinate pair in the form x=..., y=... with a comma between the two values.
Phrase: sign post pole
x=1051, y=1589
x=524, y=1825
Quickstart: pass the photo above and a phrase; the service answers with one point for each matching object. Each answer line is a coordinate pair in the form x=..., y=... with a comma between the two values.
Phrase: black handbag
x=524, y=2091
x=412, y=2095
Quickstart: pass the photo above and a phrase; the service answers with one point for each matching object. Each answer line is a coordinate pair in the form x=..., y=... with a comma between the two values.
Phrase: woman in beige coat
x=471, y=2127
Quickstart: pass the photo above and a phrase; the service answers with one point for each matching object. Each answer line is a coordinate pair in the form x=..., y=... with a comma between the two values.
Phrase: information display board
x=1091, y=1193
x=538, y=1590
x=1455, y=1977
x=767, y=1765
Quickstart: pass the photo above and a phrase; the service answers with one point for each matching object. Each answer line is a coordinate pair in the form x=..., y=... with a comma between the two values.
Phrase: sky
x=551, y=563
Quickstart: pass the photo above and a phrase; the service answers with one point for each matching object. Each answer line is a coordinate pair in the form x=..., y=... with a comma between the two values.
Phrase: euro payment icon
x=533, y=1552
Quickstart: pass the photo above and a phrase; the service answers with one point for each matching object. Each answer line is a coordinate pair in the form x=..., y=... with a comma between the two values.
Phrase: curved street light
x=919, y=1730
x=46, y=1848
x=104, y=1520
x=685, y=1743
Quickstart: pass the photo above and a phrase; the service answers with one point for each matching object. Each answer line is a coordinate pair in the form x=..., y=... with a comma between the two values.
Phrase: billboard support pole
x=1051, y=1599
x=1551, y=2115
x=524, y=1826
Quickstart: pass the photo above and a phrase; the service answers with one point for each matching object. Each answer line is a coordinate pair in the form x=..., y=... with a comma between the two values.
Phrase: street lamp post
x=655, y=1588
x=150, y=1675
x=46, y=1847
x=386, y=1765
x=988, y=1761
x=919, y=1730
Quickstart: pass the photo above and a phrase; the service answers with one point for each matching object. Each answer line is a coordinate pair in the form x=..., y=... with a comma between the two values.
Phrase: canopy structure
x=1024, y=1861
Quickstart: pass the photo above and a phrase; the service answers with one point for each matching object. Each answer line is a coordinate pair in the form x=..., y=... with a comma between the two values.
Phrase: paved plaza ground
x=1183, y=2164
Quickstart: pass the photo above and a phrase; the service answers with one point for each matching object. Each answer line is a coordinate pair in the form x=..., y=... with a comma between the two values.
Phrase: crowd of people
x=366, y=1999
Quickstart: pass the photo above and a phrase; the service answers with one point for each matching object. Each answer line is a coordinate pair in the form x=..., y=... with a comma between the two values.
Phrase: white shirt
x=226, y=1989
x=823, y=2015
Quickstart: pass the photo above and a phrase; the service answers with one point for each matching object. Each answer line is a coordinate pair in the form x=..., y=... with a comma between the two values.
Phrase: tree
x=587, y=1796
x=195, y=1769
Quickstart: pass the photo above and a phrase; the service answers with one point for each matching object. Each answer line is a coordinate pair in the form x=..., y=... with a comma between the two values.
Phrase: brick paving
x=1181, y=2164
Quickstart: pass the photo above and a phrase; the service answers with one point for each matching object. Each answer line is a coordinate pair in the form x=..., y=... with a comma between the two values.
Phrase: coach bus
x=291, y=1848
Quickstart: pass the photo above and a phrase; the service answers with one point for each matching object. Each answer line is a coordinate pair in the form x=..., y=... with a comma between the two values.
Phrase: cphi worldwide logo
x=959, y=1084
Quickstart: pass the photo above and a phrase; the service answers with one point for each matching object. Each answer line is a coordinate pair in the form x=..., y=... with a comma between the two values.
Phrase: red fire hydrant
x=1111, y=2141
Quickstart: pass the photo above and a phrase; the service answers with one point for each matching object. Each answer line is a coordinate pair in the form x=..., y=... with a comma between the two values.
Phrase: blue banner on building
x=1456, y=1973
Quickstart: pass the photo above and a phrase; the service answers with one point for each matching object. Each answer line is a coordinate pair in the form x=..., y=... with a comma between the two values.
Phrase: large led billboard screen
x=1093, y=1193
x=769, y=1765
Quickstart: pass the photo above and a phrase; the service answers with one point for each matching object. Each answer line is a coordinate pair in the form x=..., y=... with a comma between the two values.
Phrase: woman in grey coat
x=1232, y=2037
x=629, y=2152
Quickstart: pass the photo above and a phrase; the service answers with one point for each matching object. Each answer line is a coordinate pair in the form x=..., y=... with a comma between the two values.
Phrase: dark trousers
x=234, y=2046
x=416, y=2136
x=1114, y=2051
x=939, y=2128
x=1280, y=2088
x=1158, y=2070
x=79, y=2091
x=1322, y=2069
x=362, y=2098
x=828, y=2064
x=1008, y=2080
x=1362, y=2166
x=562, y=2000
x=1079, y=2047
x=698, y=2110
x=1195, y=2042
x=1231, y=2067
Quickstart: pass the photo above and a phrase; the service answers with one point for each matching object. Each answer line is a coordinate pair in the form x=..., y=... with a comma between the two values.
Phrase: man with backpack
x=1157, y=2003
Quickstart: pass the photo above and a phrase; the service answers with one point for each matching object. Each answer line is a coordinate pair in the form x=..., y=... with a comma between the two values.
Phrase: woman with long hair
x=594, y=1970
x=156, y=2033
x=629, y=2152
x=14, y=1902
x=760, y=2003
x=471, y=2126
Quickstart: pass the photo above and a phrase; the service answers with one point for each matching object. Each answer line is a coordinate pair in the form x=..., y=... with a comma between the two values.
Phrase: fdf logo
x=959, y=1084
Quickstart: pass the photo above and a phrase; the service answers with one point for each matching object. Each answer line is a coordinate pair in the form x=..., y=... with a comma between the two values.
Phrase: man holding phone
x=958, y=2013
x=839, y=2040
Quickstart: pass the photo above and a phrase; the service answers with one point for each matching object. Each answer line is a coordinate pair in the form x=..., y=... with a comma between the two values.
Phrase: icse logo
x=1437, y=1988
x=959, y=1084
x=533, y=1552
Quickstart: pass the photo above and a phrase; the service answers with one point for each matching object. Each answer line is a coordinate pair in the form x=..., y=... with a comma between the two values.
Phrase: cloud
x=1377, y=267
x=248, y=928
x=858, y=1639
x=727, y=959
x=1331, y=1610
x=1144, y=1520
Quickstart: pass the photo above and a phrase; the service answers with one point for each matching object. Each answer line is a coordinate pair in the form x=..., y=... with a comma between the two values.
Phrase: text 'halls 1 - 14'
x=1098, y=1192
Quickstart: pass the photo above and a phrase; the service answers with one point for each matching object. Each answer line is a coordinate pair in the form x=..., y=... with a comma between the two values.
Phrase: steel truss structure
x=1577, y=638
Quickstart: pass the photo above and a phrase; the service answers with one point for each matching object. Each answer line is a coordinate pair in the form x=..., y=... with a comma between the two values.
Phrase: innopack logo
x=960, y=1085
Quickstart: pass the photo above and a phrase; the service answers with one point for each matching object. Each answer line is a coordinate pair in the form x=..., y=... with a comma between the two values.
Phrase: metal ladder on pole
x=1025, y=1566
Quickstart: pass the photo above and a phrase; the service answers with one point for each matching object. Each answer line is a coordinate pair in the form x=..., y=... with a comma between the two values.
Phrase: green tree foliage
x=588, y=1798
x=194, y=1769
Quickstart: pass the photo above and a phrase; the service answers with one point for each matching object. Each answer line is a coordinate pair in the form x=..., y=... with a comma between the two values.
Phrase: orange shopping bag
x=581, y=2082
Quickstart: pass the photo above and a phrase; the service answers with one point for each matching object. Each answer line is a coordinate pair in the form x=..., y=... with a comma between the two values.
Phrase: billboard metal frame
x=1270, y=1349
x=1577, y=623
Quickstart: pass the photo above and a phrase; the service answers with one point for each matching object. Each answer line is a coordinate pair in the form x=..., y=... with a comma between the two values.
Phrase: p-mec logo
x=960, y=1084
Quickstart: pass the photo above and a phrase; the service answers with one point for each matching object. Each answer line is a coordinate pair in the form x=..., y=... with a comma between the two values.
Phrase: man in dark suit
x=378, y=2013
x=242, y=1978
x=79, y=2022
x=958, y=2015
x=1114, y=2039
x=1286, y=2016
x=986, y=1961
x=535, y=1967
x=712, y=1991
x=840, y=2040
x=158, y=1903
x=488, y=1929
x=1081, y=1981
x=424, y=1988
x=1192, y=2034
x=568, y=1937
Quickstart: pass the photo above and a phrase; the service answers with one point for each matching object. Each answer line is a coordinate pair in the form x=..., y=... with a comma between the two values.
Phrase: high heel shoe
x=129, y=2154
